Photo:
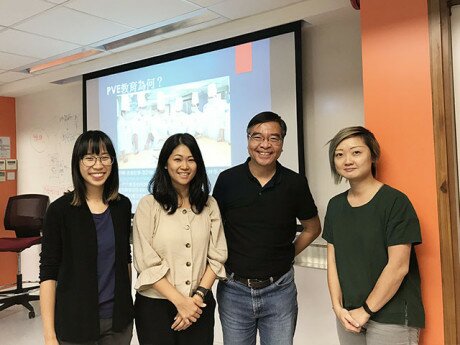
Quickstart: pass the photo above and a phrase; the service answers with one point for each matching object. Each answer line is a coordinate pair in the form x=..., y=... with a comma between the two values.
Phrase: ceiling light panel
x=24, y=43
x=12, y=61
x=13, y=11
x=180, y=32
x=160, y=29
x=68, y=80
x=235, y=9
x=63, y=60
x=72, y=26
x=134, y=13
x=8, y=77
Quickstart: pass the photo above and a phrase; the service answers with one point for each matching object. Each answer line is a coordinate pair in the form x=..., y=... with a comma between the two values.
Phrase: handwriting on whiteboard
x=38, y=139
x=52, y=142
x=70, y=128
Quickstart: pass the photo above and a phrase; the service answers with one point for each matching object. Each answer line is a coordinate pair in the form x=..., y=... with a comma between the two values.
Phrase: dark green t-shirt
x=361, y=236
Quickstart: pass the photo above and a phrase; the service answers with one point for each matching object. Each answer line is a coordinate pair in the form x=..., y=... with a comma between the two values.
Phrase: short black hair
x=92, y=142
x=161, y=187
x=267, y=116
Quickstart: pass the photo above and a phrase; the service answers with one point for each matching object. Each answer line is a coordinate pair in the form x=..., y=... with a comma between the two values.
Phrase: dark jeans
x=154, y=317
x=108, y=336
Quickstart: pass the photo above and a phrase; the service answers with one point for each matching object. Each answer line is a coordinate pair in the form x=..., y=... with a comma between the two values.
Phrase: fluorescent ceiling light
x=198, y=18
x=63, y=60
x=141, y=37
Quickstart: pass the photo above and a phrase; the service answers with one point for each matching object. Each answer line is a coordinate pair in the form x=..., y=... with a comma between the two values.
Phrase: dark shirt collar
x=276, y=179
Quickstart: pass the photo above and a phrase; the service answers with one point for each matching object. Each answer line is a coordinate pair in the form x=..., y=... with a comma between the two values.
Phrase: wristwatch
x=201, y=291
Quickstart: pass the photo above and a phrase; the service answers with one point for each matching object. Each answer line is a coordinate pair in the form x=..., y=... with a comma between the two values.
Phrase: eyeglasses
x=273, y=139
x=89, y=161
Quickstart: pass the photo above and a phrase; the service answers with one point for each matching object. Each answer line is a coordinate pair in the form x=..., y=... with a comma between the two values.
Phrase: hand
x=198, y=299
x=180, y=324
x=360, y=316
x=347, y=320
x=188, y=311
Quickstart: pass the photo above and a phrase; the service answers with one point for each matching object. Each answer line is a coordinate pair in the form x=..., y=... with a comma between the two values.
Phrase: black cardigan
x=69, y=256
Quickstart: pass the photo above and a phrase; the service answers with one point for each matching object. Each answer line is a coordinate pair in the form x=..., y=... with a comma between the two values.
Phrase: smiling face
x=181, y=167
x=353, y=159
x=265, y=153
x=96, y=175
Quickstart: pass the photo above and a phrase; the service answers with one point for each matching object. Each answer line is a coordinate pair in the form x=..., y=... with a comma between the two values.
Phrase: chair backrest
x=25, y=213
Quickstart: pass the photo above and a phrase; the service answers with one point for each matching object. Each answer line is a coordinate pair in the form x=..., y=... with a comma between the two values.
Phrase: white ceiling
x=37, y=31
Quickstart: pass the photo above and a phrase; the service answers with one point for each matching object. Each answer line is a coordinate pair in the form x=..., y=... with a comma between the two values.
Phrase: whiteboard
x=48, y=123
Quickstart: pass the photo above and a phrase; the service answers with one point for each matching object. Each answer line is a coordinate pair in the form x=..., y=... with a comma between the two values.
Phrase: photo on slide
x=146, y=119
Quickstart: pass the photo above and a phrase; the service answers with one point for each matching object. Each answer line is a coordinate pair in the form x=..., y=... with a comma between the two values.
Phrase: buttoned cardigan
x=177, y=246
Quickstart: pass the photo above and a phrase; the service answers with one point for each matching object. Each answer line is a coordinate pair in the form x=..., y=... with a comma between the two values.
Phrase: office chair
x=24, y=214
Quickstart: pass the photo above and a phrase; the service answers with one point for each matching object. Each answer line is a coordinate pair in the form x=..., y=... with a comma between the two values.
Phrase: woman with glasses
x=371, y=230
x=85, y=276
x=179, y=250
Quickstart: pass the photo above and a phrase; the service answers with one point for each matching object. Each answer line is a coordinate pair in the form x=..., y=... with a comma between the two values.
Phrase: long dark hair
x=161, y=187
x=91, y=142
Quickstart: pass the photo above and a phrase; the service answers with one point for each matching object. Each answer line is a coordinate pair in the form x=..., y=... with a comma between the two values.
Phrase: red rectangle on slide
x=243, y=58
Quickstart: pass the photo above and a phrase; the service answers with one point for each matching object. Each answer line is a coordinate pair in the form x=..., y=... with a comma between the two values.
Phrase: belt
x=256, y=283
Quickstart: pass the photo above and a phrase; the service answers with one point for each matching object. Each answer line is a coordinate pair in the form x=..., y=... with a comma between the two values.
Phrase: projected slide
x=211, y=95
x=146, y=119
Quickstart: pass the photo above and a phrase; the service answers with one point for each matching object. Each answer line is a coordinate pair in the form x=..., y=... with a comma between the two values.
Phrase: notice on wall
x=5, y=147
x=2, y=176
x=10, y=176
x=11, y=164
x=2, y=164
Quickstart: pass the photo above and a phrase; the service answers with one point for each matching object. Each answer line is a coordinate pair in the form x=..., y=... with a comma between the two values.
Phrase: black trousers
x=154, y=317
x=107, y=335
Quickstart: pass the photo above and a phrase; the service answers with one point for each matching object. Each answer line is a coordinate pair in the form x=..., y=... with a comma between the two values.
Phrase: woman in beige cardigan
x=179, y=249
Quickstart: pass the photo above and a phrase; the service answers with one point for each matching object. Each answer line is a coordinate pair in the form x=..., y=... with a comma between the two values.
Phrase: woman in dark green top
x=371, y=230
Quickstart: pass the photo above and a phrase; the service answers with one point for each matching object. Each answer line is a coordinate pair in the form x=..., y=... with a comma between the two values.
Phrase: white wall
x=333, y=95
x=333, y=99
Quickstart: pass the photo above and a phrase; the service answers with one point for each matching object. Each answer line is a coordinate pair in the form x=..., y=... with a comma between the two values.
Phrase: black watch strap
x=367, y=309
x=202, y=291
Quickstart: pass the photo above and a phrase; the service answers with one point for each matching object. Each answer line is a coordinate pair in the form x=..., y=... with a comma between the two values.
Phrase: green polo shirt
x=361, y=236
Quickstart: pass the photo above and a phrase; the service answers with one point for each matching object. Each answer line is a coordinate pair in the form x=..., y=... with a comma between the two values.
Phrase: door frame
x=445, y=145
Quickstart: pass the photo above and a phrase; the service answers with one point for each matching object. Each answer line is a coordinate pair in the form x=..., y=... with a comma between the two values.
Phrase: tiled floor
x=315, y=325
x=17, y=329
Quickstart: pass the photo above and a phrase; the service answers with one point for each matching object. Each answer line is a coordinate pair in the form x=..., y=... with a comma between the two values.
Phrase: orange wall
x=8, y=261
x=398, y=109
